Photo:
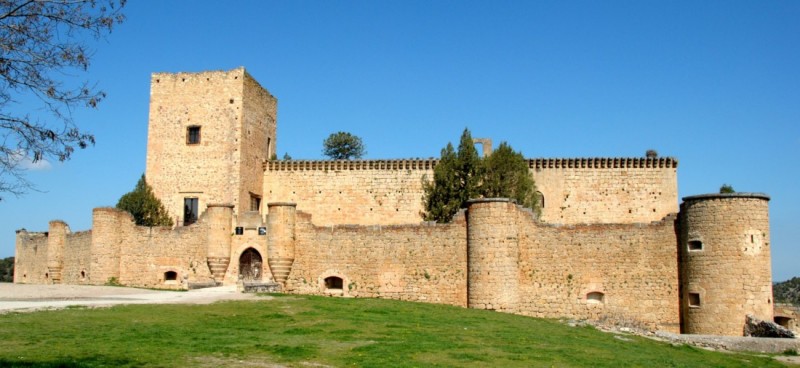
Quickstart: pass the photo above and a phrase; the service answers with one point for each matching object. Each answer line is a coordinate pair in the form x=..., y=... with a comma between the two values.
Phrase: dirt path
x=22, y=297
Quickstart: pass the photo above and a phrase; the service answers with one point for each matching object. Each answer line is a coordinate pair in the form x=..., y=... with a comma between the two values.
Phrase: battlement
x=604, y=163
x=310, y=165
x=428, y=164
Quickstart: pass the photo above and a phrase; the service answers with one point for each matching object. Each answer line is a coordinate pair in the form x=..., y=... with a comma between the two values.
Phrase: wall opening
x=786, y=322
x=193, y=135
x=540, y=196
x=595, y=297
x=694, y=300
x=695, y=245
x=170, y=276
x=250, y=265
x=334, y=283
x=255, y=202
x=190, y=210
x=83, y=274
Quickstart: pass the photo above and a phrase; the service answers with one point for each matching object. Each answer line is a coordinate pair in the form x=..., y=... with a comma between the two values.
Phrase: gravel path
x=24, y=297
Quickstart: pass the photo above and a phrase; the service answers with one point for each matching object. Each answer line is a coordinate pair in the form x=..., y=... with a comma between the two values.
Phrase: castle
x=610, y=243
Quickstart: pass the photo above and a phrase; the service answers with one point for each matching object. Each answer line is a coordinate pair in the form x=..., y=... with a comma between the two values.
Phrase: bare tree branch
x=38, y=40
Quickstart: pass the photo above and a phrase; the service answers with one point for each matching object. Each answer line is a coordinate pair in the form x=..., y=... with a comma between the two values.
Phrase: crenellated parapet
x=604, y=163
x=309, y=165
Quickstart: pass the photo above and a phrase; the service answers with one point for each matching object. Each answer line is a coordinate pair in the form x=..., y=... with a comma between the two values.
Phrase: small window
x=262, y=230
x=193, y=135
x=595, y=297
x=694, y=300
x=695, y=245
x=255, y=202
x=334, y=282
x=541, y=199
x=170, y=276
x=190, y=209
x=239, y=230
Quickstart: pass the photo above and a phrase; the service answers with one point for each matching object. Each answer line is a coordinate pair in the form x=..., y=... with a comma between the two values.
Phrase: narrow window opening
x=255, y=202
x=239, y=230
x=694, y=300
x=752, y=239
x=193, y=135
x=333, y=283
x=695, y=245
x=190, y=209
x=83, y=274
x=170, y=276
x=541, y=199
x=595, y=297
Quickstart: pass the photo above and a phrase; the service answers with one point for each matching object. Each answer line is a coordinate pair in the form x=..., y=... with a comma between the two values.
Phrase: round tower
x=219, y=218
x=725, y=271
x=492, y=255
x=56, y=237
x=280, y=239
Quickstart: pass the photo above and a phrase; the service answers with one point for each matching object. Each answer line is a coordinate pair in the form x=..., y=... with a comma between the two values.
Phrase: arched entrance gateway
x=250, y=265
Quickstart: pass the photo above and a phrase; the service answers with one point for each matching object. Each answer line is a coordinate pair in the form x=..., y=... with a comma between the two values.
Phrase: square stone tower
x=208, y=136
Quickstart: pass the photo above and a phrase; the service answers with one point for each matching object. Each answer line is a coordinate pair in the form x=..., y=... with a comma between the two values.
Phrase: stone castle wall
x=625, y=273
x=606, y=190
x=407, y=262
x=371, y=192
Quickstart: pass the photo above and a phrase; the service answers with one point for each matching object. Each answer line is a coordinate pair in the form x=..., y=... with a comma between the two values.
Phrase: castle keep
x=610, y=242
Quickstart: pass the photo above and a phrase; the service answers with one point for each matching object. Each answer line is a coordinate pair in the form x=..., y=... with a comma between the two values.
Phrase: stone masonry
x=610, y=242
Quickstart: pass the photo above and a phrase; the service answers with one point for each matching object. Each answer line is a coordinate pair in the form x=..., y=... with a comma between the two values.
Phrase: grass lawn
x=317, y=331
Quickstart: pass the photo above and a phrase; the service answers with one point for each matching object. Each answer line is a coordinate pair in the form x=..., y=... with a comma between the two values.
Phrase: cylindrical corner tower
x=492, y=255
x=56, y=237
x=725, y=266
x=280, y=238
x=219, y=218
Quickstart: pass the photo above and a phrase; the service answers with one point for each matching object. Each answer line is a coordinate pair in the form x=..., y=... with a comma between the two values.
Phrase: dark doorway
x=250, y=265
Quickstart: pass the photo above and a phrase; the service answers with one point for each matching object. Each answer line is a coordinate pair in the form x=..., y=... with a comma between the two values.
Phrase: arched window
x=595, y=297
x=540, y=196
x=170, y=276
x=333, y=283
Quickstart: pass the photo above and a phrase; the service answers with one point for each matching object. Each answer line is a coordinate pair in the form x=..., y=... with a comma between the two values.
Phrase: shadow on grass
x=69, y=363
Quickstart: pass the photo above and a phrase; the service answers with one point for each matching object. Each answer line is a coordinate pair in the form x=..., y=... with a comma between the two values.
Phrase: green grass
x=298, y=330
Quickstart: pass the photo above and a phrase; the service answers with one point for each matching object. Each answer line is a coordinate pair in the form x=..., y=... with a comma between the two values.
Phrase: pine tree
x=461, y=176
x=142, y=204
x=506, y=176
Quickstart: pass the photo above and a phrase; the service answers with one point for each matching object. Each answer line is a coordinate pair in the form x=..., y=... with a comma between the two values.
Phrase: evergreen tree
x=725, y=188
x=506, y=176
x=463, y=175
x=441, y=195
x=343, y=146
x=147, y=210
x=469, y=170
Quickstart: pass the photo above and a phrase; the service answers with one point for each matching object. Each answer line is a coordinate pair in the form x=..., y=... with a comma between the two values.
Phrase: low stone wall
x=408, y=262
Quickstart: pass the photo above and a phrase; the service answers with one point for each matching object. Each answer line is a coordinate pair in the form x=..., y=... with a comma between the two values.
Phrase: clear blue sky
x=715, y=84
